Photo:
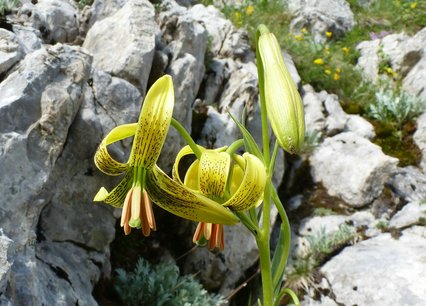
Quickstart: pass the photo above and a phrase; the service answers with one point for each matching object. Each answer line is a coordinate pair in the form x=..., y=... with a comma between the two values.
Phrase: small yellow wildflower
x=304, y=31
x=413, y=5
x=298, y=37
x=336, y=76
x=327, y=71
x=328, y=34
x=345, y=50
x=389, y=70
x=318, y=61
x=249, y=10
x=337, y=70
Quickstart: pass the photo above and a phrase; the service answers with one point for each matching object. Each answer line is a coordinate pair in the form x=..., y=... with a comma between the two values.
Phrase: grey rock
x=226, y=41
x=412, y=213
x=352, y=168
x=404, y=54
x=53, y=160
x=5, y=261
x=319, y=17
x=408, y=183
x=354, y=272
x=100, y=9
x=415, y=80
x=419, y=138
x=129, y=35
x=56, y=20
x=314, y=111
x=10, y=50
x=337, y=118
x=328, y=224
x=28, y=38
x=360, y=126
x=369, y=60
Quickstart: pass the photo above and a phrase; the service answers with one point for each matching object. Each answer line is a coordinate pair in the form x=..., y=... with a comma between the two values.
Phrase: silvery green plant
x=7, y=5
x=163, y=286
x=395, y=109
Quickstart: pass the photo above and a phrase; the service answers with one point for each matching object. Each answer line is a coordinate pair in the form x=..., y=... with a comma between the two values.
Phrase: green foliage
x=161, y=285
x=382, y=225
x=82, y=3
x=321, y=246
x=394, y=109
x=7, y=5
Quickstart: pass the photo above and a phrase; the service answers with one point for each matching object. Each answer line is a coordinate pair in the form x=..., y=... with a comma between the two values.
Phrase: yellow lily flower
x=149, y=135
x=283, y=103
x=236, y=182
x=144, y=180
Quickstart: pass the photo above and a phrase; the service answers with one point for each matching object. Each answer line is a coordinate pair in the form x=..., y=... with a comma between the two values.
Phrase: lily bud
x=283, y=103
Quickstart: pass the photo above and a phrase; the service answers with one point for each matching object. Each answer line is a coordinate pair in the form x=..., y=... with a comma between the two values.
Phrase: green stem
x=264, y=248
x=235, y=146
x=287, y=236
x=290, y=293
x=185, y=135
x=264, y=236
x=251, y=226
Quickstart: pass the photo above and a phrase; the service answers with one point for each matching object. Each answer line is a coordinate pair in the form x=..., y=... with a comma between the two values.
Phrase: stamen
x=149, y=211
x=198, y=231
x=125, y=213
x=207, y=231
x=135, y=220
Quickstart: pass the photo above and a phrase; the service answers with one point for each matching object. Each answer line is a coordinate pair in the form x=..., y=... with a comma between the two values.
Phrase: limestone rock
x=408, y=183
x=419, y=138
x=325, y=115
x=10, y=50
x=405, y=55
x=412, y=213
x=56, y=20
x=352, y=168
x=226, y=40
x=319, y=17
x=5, y=260
x=123, y=44
x=28, y=38
x=353, y=273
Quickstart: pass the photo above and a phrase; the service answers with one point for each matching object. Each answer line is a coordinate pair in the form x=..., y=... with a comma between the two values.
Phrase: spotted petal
x=178, y=199
x=103, y=159
x=117, y=196
x=250, y=190
x=153, y=124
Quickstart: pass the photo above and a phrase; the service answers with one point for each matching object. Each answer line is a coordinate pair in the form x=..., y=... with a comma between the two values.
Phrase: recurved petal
x=181, y=201
x=186, y=150
x=250, y=191
x=117, y=196
x=213, y=172
x=103, y=160
x=153, y=124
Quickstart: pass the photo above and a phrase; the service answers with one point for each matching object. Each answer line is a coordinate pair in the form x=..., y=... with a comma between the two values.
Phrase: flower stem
x=262, y=241
x=185, y=135
x=287, y=237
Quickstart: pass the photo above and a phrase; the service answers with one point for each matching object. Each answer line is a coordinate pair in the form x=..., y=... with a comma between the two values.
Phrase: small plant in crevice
x=162, y=285
x=394, y=109
x=304, y=273
x=7, y=5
